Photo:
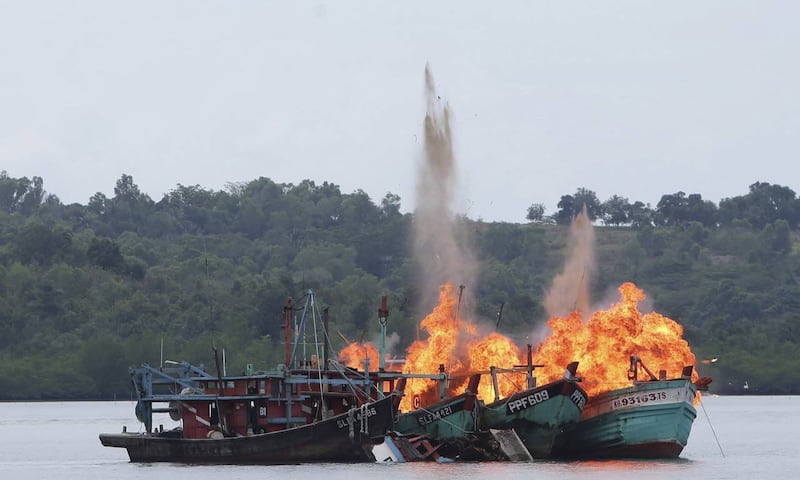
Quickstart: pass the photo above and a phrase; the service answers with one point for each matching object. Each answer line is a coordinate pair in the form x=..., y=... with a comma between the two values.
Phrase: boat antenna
x=499, y=316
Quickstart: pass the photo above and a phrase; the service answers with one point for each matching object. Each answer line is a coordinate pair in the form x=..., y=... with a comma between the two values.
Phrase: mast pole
x=301, y=327
x=287, y=332
x=531, y=380
x=325, y=322
x=383, y=315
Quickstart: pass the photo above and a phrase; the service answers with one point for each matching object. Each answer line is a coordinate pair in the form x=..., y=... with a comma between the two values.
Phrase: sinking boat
x=450, y=426
x=520, y=427
x=650, y=419
x=302, y=411
x=539, y=414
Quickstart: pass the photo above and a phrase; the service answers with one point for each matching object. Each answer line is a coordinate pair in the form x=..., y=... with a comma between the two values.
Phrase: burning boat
x=522, y=421
x=303, y=411
x=626, y=416
x=650, y=419
x=435, y=422
x=538, y=415
x=452, y=414
x=451, y=424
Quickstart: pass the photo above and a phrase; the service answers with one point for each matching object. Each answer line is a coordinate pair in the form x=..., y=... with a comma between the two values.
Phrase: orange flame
x=353, y=355
x=425, y=356
x=454, y=344
x=604, y=344
x=496, y=350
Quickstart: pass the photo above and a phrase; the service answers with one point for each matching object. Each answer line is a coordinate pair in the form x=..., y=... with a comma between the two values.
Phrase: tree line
x=88, y=290
x=762, y=205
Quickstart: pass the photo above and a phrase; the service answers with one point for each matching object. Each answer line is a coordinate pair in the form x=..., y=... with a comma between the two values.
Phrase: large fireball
x=455, y=344
x=604, y=344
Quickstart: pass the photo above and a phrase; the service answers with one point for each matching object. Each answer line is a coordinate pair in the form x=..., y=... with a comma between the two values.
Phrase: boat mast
x=309, y=305
x=530, y=377
x=383, y=315
x=287, y=331
x=325, y=322
x=223, y=420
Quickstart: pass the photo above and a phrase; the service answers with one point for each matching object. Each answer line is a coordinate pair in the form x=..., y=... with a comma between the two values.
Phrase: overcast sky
x=631, y=98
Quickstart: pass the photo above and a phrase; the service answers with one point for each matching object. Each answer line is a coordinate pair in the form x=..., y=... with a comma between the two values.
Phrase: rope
x=350, y=421
x=511, y=379
x=323, y=405
x=355, y=388
x=712, y=427
x=364, y=423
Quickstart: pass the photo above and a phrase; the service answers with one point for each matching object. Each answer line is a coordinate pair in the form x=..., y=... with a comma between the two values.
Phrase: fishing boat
x=539, y=414
x=520, y=427
x=305, y=410
x=650, y=419
x=450, y=424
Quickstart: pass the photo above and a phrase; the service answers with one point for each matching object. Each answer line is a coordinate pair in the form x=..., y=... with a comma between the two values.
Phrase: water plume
x=570, y=290
x=440, y=250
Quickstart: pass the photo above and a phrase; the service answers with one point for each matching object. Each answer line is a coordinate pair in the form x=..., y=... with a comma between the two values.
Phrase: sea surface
x=746, y=437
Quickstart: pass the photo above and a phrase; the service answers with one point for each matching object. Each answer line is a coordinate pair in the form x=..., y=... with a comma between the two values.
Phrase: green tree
x=763, y=204
x=105, y=253
x=616, y=211
x=678, y=209
x=12, y=190
x=535, y=212
x=641, y=215
x=570, y=205
x=390, y=205
x=40, y=243
x=129, y=208
x=34, y=196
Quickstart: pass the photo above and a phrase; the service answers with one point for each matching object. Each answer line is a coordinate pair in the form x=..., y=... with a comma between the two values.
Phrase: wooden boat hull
x=538, y=415
x=449, y=426
x=648, y=420
x=446, y=420
x=337, y=439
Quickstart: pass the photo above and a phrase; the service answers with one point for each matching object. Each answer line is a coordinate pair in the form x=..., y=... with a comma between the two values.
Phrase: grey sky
x=631, y=98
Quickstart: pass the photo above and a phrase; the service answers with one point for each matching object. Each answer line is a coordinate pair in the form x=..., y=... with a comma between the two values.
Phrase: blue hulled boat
x=650, y=419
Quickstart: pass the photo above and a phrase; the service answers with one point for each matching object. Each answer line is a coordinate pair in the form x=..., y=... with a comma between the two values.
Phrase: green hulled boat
x=451, y=423
x=651, y=419
x=539, y=415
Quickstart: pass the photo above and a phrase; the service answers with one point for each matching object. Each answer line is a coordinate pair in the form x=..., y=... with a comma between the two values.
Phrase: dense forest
x=88, y=290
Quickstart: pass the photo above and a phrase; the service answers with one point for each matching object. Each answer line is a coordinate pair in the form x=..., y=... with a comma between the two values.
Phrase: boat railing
x=147, y=378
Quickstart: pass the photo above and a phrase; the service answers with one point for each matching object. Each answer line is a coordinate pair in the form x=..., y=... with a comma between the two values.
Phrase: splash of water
x=440, y=247
x=570, y=289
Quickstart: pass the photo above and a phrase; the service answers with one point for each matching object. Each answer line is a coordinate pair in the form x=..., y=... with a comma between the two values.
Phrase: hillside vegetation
x=88, y=290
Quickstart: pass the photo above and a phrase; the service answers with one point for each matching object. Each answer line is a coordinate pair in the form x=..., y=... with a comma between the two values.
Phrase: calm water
x=45, y=441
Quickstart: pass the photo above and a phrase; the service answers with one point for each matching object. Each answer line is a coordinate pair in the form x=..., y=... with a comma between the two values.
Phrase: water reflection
x=59, y=440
